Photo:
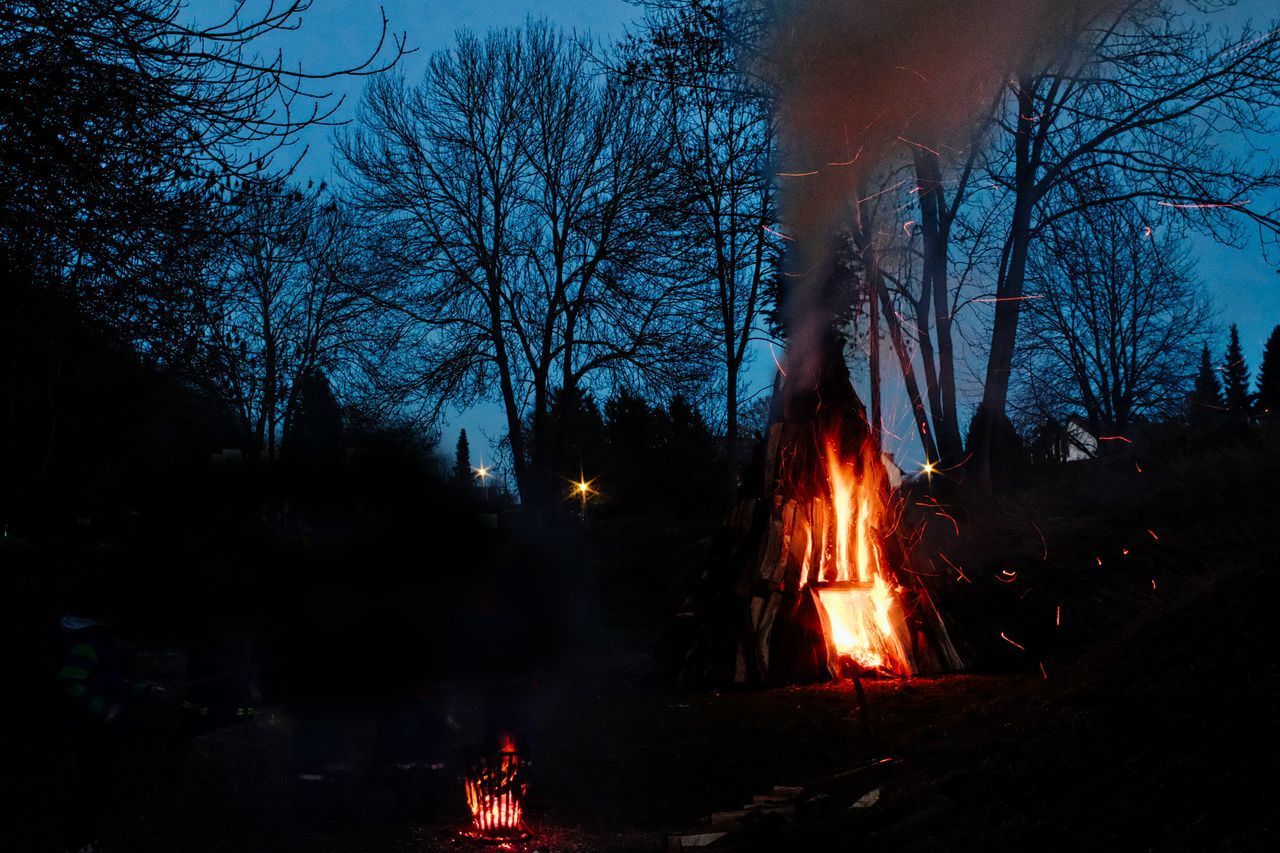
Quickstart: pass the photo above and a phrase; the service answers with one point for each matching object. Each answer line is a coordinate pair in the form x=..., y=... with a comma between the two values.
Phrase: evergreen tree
x=1235, y=372
x=313, y=434
x=1269, y=375
x=462, y=471
x=1204, y=406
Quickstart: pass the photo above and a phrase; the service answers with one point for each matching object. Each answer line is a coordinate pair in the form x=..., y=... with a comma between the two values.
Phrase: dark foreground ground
x=1152, y=725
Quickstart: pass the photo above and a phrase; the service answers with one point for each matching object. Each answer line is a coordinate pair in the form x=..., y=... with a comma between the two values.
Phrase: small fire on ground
x=495, y=794
x=845, y=519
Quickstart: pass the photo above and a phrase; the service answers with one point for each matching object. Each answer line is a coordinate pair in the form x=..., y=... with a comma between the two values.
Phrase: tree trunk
x=923, y=306
x=873, y=360
x=731, y=414
x=269, y=393
x=1004, y=338
x=514, y=434
x=1004, y=329
x=904, y=360
x=935, y=235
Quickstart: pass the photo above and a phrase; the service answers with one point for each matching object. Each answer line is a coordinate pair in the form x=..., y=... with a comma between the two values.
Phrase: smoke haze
x=859, y=81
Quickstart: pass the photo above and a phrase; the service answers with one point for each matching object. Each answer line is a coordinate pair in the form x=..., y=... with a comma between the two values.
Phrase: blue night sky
x=1245, y=288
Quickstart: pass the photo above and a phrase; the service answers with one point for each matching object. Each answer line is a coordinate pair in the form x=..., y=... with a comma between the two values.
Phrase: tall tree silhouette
x=1235, y=375
x=1115, y=327
x=515, y=191
x=1148, y=95
x=1204, y=406
x=722, y=147
x=1269, y=375
x=313, y=433
x=462, y=459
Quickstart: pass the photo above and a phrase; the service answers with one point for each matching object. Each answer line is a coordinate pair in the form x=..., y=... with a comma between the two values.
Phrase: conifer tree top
x=1235, y=373
x=1269, y=374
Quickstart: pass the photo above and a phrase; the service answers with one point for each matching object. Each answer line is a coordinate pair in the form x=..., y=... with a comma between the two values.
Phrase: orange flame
x=494, y=794
x=863, y=618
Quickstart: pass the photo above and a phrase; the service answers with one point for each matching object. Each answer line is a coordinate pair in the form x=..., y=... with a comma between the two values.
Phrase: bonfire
x=809, y=579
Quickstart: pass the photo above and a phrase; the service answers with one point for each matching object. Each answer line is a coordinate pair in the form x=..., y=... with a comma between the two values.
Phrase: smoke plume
x=859, y=82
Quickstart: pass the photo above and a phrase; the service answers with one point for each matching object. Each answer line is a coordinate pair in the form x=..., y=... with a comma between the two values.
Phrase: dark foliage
x=462, y=472
x=1204, y=406
x=642, y=458
x=1237, y=400
x=1269, y=376
x=1009, y=457
x=89, y=425
x=314, y=432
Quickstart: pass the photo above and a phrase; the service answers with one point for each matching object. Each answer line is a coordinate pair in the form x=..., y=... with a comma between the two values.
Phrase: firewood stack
x=753, y=618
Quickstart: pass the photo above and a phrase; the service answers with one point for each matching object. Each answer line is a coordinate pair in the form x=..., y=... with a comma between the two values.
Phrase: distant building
x=1072, y=441
x=891, y=468
x=228, y=457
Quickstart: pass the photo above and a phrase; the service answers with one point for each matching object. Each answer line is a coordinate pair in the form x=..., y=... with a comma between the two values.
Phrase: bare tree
x=880, y=259
x=125, y=130
x=290, y=292
x=941, y=203
x=1114, y=322
x=1149, y=96
x=723, y=150
x=114, y=114
x=515, y=190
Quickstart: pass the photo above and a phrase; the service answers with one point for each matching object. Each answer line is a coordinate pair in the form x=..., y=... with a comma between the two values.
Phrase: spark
x=1153, y=583
x=911, y=71
x=1115, y=438
x=1027, y=298
x=1007, y=576
x=921, y=146
x=1259, y=40
x=883, y=191
x=776, y=363
x=960, y=575
x=929, y=468
x=1057, y=617
x=1044, y=542
x=1206, y=205
x=482, y=472
x=1146, y=231
x=1099, y=559
x=778, y=233
x=1139, y=467
x=1005, y=637
x=1124, y=552
x=797, y=174
x=849, y=162
x=1043, y=673
x=937, y=507
x=906, y=226
x=1153, y=534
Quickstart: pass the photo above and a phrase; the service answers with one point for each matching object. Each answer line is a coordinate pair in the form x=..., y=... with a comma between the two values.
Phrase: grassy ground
x=1154, y=728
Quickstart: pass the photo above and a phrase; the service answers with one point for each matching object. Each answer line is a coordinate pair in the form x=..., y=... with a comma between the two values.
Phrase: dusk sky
x=1244, y=286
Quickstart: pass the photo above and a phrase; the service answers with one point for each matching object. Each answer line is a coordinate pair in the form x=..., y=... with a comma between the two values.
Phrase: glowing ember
x=847, y=521
x=495, y=790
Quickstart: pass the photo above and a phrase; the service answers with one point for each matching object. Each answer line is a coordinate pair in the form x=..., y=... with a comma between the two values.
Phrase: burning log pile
x=808, y=579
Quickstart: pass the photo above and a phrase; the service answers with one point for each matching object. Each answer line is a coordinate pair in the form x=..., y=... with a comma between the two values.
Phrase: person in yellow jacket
x=95, y=693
